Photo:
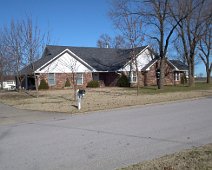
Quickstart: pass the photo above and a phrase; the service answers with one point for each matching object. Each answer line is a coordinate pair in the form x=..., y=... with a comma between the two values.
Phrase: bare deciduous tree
x=23, y=45
x=205, y=47
x=5, y=60
x=2, y=67
x=119, y=42
x=105, y=41
x=159, y=26
x=34, y=41
x=2, y=61
x=157, y=16
x=130, y=26
x=14, y=45
x=191, y=30
x=70, y=64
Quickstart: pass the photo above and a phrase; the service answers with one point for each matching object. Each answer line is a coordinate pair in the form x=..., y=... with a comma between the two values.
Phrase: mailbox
x=79, y=96
x=158, y=73
x=81, y=93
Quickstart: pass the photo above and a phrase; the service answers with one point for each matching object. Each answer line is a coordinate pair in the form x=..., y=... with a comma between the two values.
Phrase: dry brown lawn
x=110, y=98
x=95, y=99
x=193, y=159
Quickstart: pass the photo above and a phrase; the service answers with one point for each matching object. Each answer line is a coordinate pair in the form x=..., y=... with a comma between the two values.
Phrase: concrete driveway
x=12, y=116
x=106, y=139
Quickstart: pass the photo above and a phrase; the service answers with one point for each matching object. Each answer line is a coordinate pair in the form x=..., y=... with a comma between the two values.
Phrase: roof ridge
x=49, y=45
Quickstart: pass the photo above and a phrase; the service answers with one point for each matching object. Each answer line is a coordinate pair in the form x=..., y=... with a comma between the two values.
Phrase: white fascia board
x=148, y=68
x=175, y=68
x=136, y=57
x=63, y=52
x=142, y=51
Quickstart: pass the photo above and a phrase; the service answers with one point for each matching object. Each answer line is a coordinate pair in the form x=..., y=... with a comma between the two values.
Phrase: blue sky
x=70, y=22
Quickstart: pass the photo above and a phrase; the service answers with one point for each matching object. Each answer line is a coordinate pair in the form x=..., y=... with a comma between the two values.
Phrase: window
x=177, y=76
x=133, y=78
x=51, y=79
x=79, y=78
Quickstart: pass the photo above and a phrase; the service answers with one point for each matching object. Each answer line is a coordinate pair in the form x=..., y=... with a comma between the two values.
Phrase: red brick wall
x=147, y=78
x=169, y=75
x=60, y=79
x=150, y=76
x=140, y=80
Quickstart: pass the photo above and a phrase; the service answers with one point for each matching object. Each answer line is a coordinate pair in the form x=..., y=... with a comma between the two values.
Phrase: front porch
x=108, y=79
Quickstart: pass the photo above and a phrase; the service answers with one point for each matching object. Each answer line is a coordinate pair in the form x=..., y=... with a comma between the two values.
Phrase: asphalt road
x=107, y=139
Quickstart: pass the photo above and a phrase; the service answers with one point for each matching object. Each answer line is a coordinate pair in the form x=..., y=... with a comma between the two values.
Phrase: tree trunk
x=191, y=81
x=208, y=76
x=19, y=84
x=137, y=74
x=1, y=85
x=74, y=86
x=191, y=75
x=36, y=85
x=161, y=80
x=1, y=79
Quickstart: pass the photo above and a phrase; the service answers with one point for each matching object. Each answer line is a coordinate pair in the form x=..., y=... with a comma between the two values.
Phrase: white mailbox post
x=79, y=96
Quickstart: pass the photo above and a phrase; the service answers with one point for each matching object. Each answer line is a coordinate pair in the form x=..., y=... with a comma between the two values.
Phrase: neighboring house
x=175, y=71
x=83, y=64
x=8, y=83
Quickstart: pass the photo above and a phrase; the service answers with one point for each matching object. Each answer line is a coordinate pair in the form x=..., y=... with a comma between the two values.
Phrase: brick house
x=83, y=64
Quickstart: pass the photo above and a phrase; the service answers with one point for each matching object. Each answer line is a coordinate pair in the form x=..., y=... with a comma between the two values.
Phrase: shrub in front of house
x=43, y=85
x=123, y=81
x=67, y=83
x=93, y=84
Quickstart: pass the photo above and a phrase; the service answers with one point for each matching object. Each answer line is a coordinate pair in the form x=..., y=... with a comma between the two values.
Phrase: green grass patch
x=176, y=88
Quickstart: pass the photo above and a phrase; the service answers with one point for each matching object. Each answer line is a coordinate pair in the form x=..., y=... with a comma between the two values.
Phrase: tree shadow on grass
x=67, y=99
x=74, y=106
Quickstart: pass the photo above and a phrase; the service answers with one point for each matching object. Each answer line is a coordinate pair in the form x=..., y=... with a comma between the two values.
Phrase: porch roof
x=179, y=65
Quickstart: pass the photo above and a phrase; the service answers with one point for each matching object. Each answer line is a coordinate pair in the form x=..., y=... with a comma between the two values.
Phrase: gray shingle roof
x=179, y=65
x=101, y=59
x=175, y=64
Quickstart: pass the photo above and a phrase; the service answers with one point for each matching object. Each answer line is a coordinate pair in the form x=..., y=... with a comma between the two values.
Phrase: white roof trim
x=63, y=52
x=173, y=65
x=148, y=68
x=142, y=50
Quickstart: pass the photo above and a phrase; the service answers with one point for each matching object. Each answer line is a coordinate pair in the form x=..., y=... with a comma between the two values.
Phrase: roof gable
x=70, y=61
x=100, y=59
x=179, y=65
x=175, y=64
